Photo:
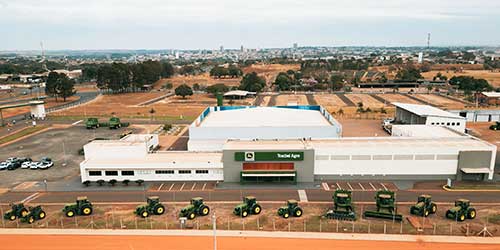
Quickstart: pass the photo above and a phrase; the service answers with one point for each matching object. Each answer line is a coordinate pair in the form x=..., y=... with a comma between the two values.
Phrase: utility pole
x=428, y=41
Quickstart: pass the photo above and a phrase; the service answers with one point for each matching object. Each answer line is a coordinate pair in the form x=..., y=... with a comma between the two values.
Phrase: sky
x=208, y=24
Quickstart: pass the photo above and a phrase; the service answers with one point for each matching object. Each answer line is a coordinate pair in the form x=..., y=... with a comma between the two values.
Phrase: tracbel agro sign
x=269, y=156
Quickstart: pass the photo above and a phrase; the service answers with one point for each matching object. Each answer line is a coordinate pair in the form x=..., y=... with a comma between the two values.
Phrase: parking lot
x=59, y=144
x=358, y=186
x=182, y=186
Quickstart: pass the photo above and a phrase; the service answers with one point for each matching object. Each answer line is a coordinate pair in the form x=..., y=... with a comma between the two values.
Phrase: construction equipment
x=386, y=208
x=82, y=207
x=17, y=211
x=114, y=123
x=495, y=126
x=291, y=208
x=92, y=123
x=152, y=206
x=249, y=206
x=35, y=213
x=196, y=207
x=343, y=208
x=424, y=206
x=461, y=211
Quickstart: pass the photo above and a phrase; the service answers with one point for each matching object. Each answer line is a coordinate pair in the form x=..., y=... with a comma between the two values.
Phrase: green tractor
x=291, y=208
x=424, y=206
x=17, y=211
x=343, y=208
x=495, y=126
x=152, y=206
x=82, y=206
x=92, y=123
x=461, y=211
x=114, y=123
x=195, y=208
x=249, y=206
x=35, y=213
x=386, y=208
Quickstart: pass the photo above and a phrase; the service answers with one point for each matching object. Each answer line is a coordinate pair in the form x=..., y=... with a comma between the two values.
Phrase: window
x=447, y=124
x=95, y=173
x=442, y=123
x=452, y=124
x=382, y=157
x=322, y=157
x=446, y=157
x=361, y=157
x=424, y=157
x=128, y=173
x=111, y=173
x=184, y=171
x=340, y=157
x=432, y=123
x=202, y=171
x=403, y=157
x=458, y=123
x=164, y=171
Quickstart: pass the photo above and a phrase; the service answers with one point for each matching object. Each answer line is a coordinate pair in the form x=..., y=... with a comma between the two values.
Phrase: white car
x=34, y=164
x=27, y=164
x=4, y=165
x=45, y=164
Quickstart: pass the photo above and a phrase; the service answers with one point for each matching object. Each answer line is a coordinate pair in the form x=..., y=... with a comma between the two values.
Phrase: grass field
x=22, y=133
x=493, y=77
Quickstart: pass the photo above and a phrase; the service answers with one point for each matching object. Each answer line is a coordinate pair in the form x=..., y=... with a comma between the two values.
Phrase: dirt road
x=70, y=242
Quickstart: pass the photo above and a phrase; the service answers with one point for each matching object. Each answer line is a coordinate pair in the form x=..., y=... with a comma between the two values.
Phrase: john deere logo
x=249, y=156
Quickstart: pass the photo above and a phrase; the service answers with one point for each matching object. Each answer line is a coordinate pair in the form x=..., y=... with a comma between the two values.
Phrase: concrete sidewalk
x=262, y=234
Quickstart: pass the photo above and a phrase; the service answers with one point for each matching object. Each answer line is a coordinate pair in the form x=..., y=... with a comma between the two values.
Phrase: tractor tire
x=461, y=217
x=257, y=209
x=12, y=217
x=426, y=213
x=191, y=216
x=24, y=212
x=144, y=214
x=244, y=214
x=298, y=212
x=286, y=215
x=41, y=215
x=449, y=215
x=204, y=210
x=30, y=219
x=433, y=208
x=159, y=209
x=86, y=210
x=471, y=214
x=70, y=213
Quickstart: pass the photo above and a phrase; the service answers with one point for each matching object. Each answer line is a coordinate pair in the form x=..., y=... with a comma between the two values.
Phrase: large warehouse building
x=240, y=153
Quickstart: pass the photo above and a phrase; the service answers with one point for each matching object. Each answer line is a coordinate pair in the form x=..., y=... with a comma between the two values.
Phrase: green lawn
x=106, y=118
x=21, y=133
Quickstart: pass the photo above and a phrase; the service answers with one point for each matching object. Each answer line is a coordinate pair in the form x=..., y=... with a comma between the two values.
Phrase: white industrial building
x=216, y=125
x=424, y=114
x=295, y=144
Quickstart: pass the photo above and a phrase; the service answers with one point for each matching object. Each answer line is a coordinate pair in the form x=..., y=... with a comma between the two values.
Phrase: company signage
x=269, y=156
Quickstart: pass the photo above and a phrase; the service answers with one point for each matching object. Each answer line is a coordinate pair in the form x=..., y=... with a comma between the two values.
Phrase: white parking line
x=325, y=186
x=361, y=186
x=338, y=186
x=30, y=198
x=194, y=185
x=350, y=187
x=204, y=185
x=383, y=186
x=373, y=186
x=182, y=186
x=171, y=186
x=74, y=123
x=159, y=188
x=302, y=195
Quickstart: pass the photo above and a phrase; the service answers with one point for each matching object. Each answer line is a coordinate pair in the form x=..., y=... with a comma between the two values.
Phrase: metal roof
x=491, y=94
x=239, y=93
x=426, y=110
x=265, y=117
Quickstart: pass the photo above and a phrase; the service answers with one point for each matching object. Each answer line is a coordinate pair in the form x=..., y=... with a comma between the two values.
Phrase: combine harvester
x=342, y=206
x=386, y=208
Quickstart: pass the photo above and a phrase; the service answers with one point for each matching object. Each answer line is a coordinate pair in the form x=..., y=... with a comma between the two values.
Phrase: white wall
x=115, y=150
x=447, y=122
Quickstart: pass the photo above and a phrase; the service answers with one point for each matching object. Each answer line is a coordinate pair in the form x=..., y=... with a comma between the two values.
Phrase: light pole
x=214, y=221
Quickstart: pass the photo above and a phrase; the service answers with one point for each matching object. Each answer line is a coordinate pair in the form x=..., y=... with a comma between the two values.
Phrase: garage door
x=267, y=166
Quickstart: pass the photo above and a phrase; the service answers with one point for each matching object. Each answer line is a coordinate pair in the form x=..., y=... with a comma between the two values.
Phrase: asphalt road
x=235, y=195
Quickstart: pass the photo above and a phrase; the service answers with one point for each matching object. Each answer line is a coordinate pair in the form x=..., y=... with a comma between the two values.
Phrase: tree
x=66, y=87
x=183, y=90
x=283, y=81
x=252, y=82
x=469, y=84
x=408, y=74
x=336, y=82
x=217, y=88
x=51, y=84
x=196, y=87
x=167, y=70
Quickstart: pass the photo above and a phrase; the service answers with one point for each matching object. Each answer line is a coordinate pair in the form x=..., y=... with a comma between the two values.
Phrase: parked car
x=45, y=163
x=13, y=165
x=26, y=163
x=3, y=165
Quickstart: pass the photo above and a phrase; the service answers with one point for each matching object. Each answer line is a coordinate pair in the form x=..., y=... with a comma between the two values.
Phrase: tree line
x=232, y=71
x=59, y=85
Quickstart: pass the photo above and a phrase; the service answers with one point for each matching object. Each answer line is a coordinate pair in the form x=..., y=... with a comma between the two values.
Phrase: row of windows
x=385, y=157
x=132, y=172
x=447, y=123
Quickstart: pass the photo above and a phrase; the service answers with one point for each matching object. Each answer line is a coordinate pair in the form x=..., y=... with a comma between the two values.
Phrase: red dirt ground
x=52, y=242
